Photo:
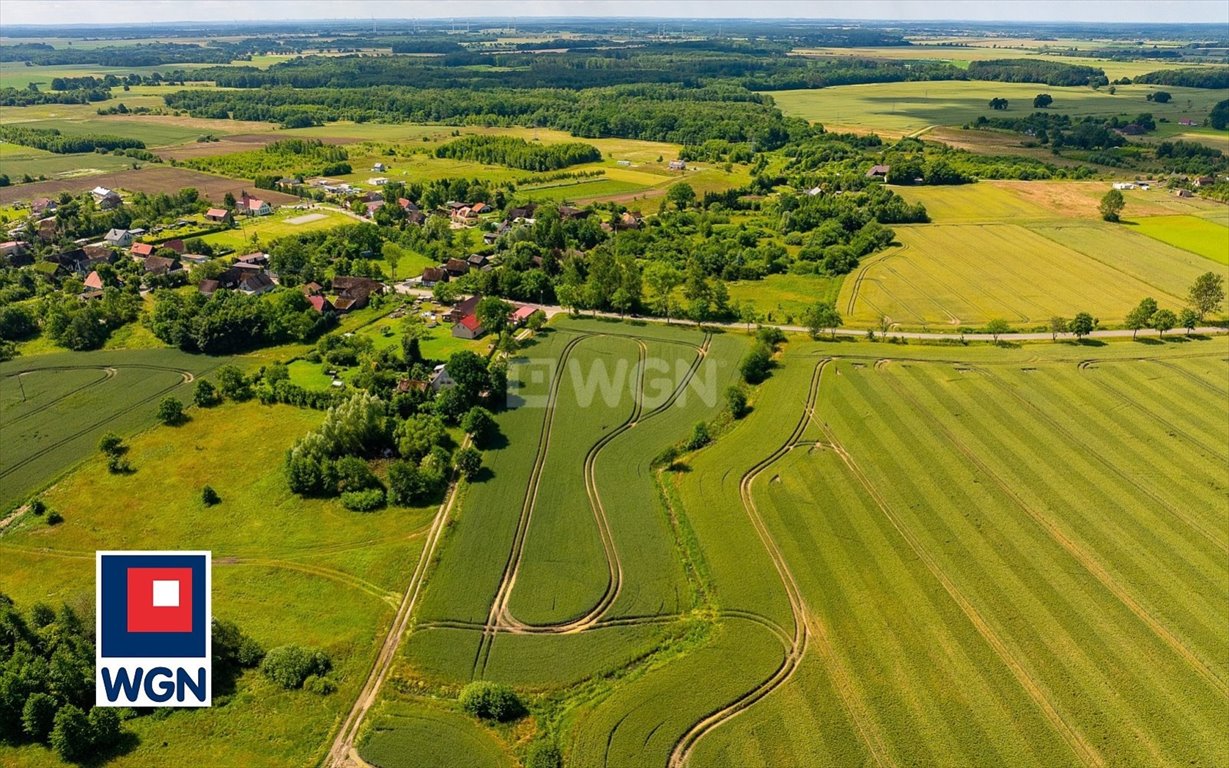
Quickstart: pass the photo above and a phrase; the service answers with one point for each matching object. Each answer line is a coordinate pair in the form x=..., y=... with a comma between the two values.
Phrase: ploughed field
x=902, y=555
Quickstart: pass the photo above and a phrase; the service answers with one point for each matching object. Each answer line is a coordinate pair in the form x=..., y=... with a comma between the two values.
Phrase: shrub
x=363, y=501
x=771, y=336
x=543, y=755
x=736, y=401
x=37, y=506
x=290, y=665
x=205, y=395
x=70, y=735
x=104, y=728
x=353, y=474
x=491, y=701
x=209, y=496
x=699, y=436
x=111, y=444
x=170, y=411
x=233, y=383
x=118, y=465
x=54, y=518
x=756, y=364
x=38, y=716
x=320, y=685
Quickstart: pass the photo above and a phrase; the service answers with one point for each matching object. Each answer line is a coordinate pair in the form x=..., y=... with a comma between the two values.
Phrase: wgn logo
x=153, y=629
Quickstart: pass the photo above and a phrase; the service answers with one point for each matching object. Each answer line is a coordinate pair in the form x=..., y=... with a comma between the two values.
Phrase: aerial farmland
x=585, y=392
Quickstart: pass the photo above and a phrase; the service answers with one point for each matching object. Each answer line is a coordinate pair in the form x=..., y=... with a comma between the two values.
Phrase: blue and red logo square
x=153, y=626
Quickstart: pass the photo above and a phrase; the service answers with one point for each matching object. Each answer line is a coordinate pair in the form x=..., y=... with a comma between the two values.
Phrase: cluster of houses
x=350, y=293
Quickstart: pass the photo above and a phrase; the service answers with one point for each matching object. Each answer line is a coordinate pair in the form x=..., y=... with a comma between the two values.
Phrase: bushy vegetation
x=518, y=153
x=287, y=157
x=231, y=321
x=291, y=666
x=47, y=683
x=491, y=701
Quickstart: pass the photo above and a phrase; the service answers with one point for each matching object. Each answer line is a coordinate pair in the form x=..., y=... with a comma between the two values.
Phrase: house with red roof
x=142, y=251
x=219, y=216
x=468, y=328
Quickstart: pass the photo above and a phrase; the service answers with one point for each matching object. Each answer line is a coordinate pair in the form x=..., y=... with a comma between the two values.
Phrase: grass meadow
x=286, y=569
x=896, y=109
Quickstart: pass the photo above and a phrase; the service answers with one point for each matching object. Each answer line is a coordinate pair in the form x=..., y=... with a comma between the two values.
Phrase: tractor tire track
x=498, y=605
x=797, y=641
x=108, y=373
x=614, y=562
x=188, y=377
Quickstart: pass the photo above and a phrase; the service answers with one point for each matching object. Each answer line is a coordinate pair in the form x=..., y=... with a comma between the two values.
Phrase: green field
x=1054, y=258
x=895, y=109
x=970, y=531
x=866, y=569
x=1209, y=239
x=286, y=569
x=56, y=406
x=419, y=737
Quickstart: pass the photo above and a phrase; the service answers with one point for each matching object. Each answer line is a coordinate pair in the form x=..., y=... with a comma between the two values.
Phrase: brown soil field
x=149, y=179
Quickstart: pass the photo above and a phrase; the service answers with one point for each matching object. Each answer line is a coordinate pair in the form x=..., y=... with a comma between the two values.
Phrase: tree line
x=52, y=140
x=519, y=153
x=1036, y=71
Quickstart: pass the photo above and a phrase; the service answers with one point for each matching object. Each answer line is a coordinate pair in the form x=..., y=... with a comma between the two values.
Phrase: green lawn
x=1205, y=237
x=268, y=228
x=780, y=298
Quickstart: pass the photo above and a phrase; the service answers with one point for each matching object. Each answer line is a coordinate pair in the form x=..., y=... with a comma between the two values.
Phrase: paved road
x=553, y=309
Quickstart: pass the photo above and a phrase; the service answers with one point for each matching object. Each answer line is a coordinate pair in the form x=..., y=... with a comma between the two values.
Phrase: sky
x=145, y=11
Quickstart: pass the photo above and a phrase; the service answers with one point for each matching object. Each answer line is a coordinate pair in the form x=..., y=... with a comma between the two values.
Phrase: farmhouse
x=354, y=292
x=1205, y=181
x=455, y=267
x=677, y=165
x=1123, y=185
x=256, y=283
x=320, y=304
x=43, y=206
x=120, y=238
x=311, y=289
x=104, y=198
x=15, y=252
x=141, y=251
x=254, y=207
x=464, y=307
x=161, y=265
x=878, y=172
x=433, y=275
x=219, y=216
x=379, y=167
x=520, y=315
x=468, y=328
x=440, y=378
x=476, y=260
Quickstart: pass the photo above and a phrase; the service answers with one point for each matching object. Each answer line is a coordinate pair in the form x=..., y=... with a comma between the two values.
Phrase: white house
x=121, y=238
x=440, y=379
